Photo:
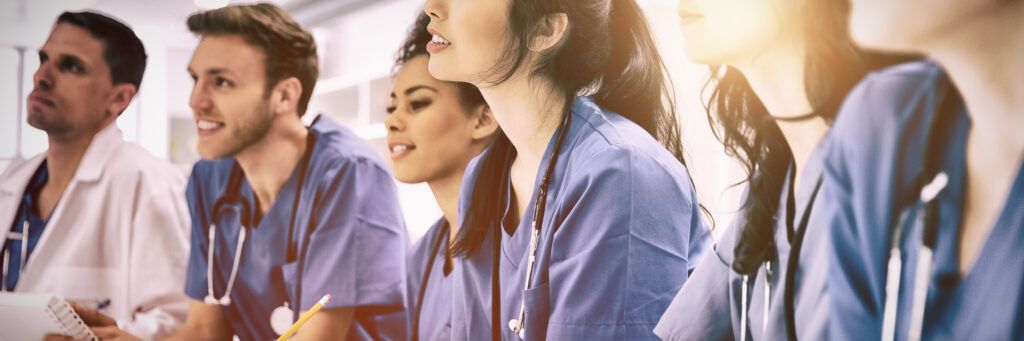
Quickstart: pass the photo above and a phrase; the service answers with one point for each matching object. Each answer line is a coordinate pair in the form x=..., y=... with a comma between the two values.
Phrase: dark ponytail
x=635, y=82
x=607, y=52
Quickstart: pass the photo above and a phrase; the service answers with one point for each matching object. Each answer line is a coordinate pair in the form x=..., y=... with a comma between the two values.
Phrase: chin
x=407, y=177
x=210, y=152
x=440, y=68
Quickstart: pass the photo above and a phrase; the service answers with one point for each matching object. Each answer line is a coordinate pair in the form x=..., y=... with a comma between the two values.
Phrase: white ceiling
x=27, y=22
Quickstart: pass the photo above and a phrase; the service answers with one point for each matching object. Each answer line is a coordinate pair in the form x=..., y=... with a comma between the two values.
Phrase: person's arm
x=158, y=249
x=621, y=252
x=204, y=322
x=355, y=252
x=704, y=307
x=327, y=324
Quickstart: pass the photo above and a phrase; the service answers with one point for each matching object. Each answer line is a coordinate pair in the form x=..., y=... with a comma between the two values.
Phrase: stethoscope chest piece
x=517, y=326
x=224, y=301
x=281, y=318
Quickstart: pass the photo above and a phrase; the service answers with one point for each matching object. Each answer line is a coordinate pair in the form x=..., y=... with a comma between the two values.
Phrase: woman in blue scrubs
x=780, y=71
x=580, y=222
x=434, y=129
x=928, y=226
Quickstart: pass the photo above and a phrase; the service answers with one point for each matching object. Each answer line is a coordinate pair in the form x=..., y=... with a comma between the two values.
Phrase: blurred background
x=357, y=41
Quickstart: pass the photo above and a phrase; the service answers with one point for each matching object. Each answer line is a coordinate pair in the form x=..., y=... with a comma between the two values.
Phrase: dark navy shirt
x=36, y=224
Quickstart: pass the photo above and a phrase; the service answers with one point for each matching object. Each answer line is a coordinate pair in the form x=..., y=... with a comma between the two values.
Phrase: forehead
x=228, y=52
x=68, y=39
x=414, y=73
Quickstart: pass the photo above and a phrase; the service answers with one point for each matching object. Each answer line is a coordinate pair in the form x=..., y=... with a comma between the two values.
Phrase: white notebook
x=26, y=316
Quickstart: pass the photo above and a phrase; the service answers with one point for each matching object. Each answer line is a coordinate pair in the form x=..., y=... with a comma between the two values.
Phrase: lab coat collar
x=15, y=182
x=102, y=147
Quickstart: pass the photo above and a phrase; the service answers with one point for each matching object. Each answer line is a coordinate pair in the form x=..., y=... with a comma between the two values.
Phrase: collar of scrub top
x=518, y=325
x=232, y=199
x=28, y=236
x=930, y=181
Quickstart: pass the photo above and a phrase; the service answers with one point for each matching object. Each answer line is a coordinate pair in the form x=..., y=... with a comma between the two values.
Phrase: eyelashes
x=414, y=105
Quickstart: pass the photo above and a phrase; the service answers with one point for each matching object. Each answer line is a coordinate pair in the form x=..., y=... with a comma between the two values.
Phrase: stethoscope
x=22, y=238
x=791, y=267
x=232, y=200
x=435, y=248
x=518, y=325
x=926, y=209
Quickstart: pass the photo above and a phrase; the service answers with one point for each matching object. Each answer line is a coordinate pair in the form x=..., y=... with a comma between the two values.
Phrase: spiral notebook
x=26, y=316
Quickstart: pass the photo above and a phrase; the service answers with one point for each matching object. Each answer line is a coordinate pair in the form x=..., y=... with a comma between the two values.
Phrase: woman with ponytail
x=580, y=221
x=780, y=70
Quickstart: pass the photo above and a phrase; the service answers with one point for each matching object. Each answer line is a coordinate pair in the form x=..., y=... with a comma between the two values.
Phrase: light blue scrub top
x=436, y=314
x=710, y=304
x=877, y=152
x=355, y=250
x=621, y=231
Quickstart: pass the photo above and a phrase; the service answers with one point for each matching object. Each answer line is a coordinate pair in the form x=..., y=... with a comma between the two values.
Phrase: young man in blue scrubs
x=926, y=177
x=324, y=214
x=282, y=214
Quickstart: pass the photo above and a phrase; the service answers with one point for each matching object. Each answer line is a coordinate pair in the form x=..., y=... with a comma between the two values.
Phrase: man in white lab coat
x=105, y=222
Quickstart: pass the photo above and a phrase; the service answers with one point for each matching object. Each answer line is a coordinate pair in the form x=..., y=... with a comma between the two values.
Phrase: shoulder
x=340, y=150
x=886, y=101
x=611, y=148
x=132, y=165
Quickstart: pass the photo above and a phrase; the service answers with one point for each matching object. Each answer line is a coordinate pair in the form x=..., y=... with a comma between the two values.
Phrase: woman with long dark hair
x=580, y=221
x=434, y=129
x=780, y=70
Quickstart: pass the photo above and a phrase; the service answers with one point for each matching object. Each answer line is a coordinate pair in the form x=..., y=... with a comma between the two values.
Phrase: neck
x=446, y=192
x=63, y=156
x=269, y=162
x=777, y=77
x=528, y=112
x=983, y=58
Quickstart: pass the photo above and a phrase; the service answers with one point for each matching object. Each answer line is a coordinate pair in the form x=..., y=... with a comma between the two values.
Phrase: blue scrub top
x=621, y=231
x=436, y=314
x=355, y=250
x=877, y=152
x=710, y=304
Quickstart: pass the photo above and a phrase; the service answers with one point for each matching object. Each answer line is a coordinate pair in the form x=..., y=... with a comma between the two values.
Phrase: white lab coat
x=119, y=232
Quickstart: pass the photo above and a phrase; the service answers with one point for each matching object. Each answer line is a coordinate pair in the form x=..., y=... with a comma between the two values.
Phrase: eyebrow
x=63, y=56
x=212, y=72
x=413, y=89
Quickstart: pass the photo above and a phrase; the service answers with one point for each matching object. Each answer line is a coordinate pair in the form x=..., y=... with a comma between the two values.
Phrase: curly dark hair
x=415, y=45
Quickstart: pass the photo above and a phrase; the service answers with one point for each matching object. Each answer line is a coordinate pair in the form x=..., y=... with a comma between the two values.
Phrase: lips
x=400, y=149
x=437, y=42
x=207, y=127
x=687, y=17
x=40, y=99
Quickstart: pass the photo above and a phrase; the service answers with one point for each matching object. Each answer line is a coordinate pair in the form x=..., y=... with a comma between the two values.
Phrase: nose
x=435, y=9
x=43, y=78
x=393, y=122
x=199, y=101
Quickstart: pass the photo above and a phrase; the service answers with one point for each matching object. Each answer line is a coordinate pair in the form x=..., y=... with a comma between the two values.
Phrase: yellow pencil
x=305, y=317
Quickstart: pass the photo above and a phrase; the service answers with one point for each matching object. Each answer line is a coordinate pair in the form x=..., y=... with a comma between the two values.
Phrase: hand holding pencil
x=305, y=317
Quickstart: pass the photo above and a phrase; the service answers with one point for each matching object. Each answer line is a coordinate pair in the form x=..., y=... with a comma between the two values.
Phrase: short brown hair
x=290, y=49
